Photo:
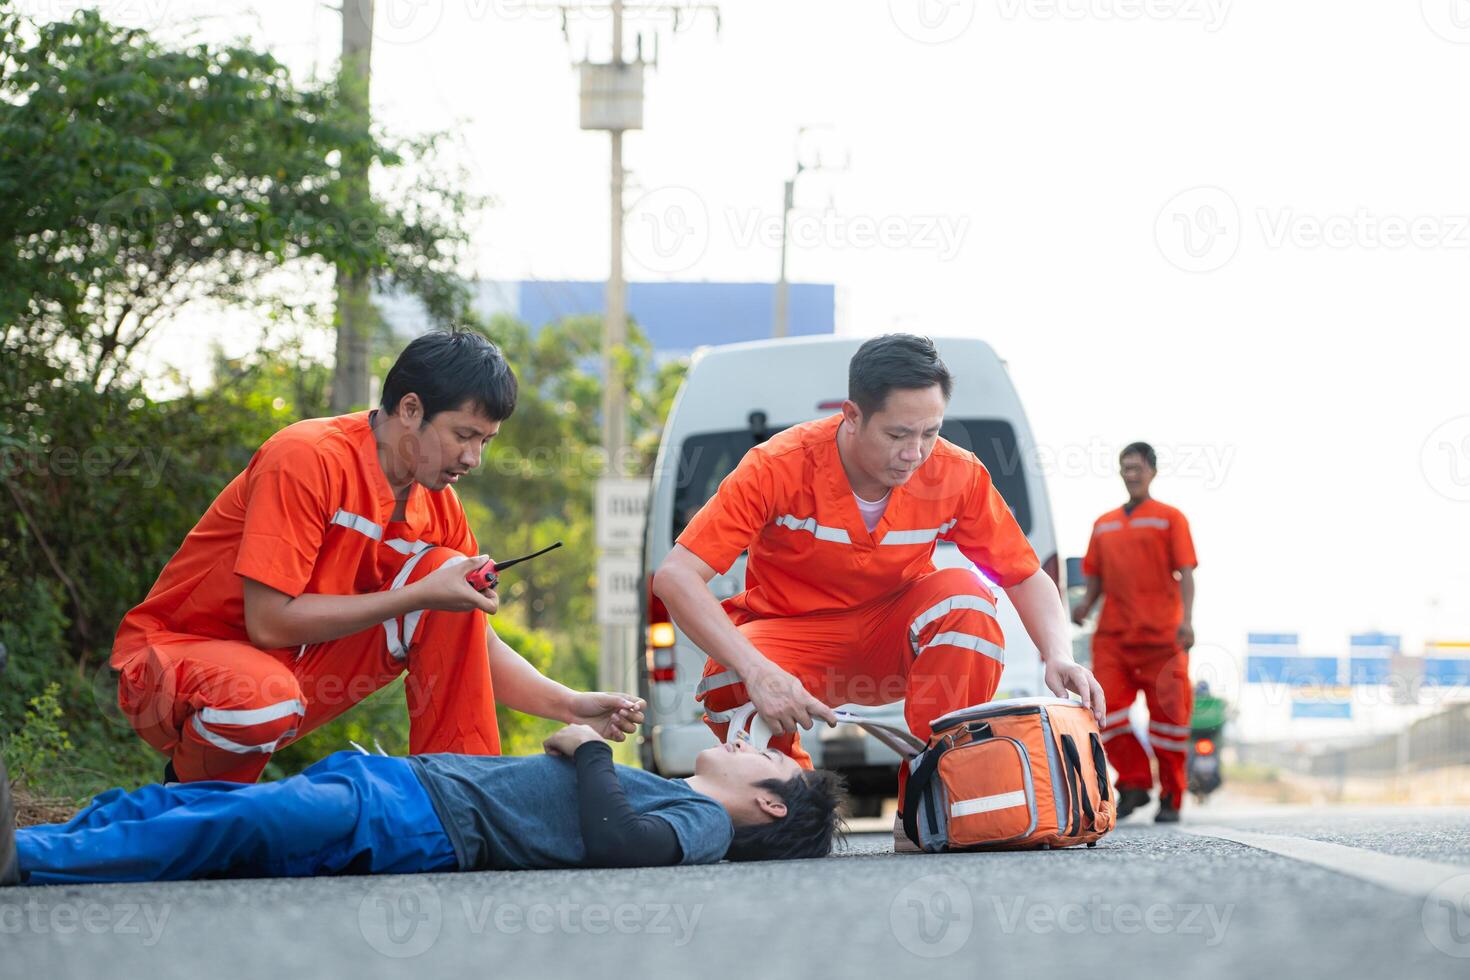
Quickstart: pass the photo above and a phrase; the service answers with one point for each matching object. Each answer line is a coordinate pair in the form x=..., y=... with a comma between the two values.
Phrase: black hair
x=813, y=798
x=449, y=369
x=1141, y=449
x=894, y=360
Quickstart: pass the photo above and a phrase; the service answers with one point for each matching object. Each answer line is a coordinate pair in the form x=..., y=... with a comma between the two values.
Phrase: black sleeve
x=615, y=836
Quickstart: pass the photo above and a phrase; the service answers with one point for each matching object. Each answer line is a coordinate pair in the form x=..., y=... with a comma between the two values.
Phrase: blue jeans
x=350, y=813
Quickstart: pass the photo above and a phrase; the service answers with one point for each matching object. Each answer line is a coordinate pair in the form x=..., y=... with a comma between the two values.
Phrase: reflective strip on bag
x=985, y=804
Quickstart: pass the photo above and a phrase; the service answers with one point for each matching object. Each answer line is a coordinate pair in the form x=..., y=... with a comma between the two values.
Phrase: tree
x=138, y=178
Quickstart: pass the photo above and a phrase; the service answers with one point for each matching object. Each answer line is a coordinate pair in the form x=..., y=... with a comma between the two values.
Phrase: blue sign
x=1322, y=709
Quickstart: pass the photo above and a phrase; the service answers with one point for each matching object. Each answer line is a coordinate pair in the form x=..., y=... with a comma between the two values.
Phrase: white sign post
x=617, y=590
x=622, y=506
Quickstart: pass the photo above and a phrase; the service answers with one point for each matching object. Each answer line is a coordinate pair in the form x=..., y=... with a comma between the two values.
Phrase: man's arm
x=682, y=582
x=274, y=620
x=521, y=687
x=1186, y=593
x=613, y=833
x=1040, y=608
x=1094, y=592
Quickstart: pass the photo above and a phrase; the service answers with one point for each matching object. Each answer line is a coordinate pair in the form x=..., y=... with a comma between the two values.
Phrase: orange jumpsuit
x=859, y=617
x=312, y=514
x=1136, y=646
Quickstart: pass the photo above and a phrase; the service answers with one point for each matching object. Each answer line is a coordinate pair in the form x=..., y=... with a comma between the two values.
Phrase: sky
x=1237, y=230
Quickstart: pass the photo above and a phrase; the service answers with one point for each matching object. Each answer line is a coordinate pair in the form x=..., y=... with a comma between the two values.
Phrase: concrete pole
x=780, y=327
x=613, y=670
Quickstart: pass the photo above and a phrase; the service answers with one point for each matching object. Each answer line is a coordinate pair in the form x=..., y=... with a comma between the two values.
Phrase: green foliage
x=137, y=178
x=40, y=741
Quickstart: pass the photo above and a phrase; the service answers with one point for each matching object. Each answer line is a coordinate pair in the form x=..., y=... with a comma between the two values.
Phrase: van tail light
x=1204, y=746
x=658, y=652
x=1053, y=568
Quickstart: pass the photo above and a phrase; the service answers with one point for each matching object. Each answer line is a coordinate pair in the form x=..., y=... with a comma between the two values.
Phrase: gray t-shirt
x=510, y=812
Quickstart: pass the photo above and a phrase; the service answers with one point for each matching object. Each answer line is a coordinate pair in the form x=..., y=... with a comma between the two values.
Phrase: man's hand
x=1067, y=675
x=565, y=741
x=612, y=716
x=783, y=703
x=445, y=588
x=1079, y=615
x=1186, y=635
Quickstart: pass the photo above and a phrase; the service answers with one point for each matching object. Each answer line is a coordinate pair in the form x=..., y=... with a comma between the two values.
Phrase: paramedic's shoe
x=9, y=860
x=169, y=776
x=1130, y=799
x=901, y=842
x=1168, y=810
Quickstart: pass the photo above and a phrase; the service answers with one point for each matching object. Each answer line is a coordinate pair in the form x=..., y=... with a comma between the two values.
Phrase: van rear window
x=706, y=459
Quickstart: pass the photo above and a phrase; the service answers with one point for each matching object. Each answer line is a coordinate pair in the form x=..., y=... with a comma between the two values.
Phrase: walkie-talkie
x=487, y=576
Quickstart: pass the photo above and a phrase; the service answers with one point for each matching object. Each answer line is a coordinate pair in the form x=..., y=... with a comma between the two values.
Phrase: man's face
x=449, y=446
x=1137, y=475
x=737, y=765
x=892, y=443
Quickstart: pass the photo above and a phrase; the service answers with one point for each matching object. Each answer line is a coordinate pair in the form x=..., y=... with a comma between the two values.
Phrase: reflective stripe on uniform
x=410, y=621
x=1168, y=744
x=985, y=804
x=1112, y=733
x=407, y=547
x=219, y=741
x=946, y=606
x=251, y=716
x=358, y=523
x=1158, y=522
x=968, y=642
x=711, y=681
x=1114, y=718
x=1163, y=729
x=810, y=525
x=917, y=537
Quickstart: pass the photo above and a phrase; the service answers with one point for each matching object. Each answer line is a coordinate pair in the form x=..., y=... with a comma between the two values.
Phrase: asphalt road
x=1382, y=893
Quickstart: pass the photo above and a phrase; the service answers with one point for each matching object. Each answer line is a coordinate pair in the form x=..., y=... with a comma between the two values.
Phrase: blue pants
x=350, y=813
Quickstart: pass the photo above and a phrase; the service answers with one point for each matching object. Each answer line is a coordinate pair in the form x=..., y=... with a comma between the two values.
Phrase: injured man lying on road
x=353, y=813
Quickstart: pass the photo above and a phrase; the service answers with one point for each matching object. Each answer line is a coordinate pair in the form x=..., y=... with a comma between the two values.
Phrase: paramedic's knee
x=244, y=718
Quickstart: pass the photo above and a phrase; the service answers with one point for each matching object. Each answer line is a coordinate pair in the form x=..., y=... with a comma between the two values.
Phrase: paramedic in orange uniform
x=1141, y=562
x=843, y=603
x=336, y=561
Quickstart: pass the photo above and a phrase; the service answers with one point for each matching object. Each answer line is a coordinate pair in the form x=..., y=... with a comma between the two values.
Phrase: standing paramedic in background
x=843, y=603
x=1141, y=562
x=333, y=563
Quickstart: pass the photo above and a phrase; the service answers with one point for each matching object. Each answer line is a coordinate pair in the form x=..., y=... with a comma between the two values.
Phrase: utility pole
x=781, y=326
x=612, y=100
x=355, y=313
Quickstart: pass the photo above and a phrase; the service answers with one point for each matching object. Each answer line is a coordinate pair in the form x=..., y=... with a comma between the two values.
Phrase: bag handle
x=899, y=740
x=1074, y=777
x=918, y=784
x=1100, y=763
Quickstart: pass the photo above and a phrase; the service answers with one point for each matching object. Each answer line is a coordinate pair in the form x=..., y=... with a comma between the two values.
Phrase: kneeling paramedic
x=843, y=603
x=334, y=563
x=365, y=814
